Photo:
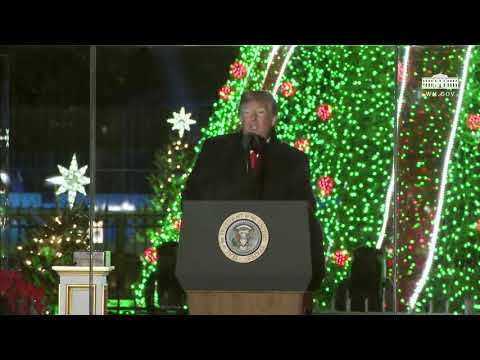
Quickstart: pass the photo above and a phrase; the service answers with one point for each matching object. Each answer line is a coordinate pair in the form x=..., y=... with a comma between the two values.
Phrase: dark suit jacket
x=282, y=173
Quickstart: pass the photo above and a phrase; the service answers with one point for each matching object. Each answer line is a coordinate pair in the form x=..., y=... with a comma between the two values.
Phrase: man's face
x=257, y=118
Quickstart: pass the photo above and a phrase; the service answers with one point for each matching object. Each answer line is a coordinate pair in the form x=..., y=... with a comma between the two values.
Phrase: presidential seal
x=243, y=237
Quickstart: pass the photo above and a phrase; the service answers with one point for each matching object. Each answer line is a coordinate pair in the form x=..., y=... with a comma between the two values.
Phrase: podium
x=248, y=303
x=73, y=294
x=245, y=257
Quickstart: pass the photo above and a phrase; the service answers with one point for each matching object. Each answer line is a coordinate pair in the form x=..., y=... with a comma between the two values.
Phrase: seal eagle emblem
x=243, y=237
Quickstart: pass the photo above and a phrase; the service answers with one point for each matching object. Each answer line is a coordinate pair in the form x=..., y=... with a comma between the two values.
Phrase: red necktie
x=253, y=159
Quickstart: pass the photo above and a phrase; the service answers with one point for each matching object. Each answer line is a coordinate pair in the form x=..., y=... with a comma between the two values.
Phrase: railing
x=124, y=234
x=432, y=308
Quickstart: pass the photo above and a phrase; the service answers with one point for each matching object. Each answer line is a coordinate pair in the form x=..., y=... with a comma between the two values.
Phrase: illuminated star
x=181, y=121
x=72, y=180
x=6, y=138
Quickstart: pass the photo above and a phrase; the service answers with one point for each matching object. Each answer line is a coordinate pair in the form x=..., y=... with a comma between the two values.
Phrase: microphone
x=247, y=141
x=253, y=144
x=251, y=141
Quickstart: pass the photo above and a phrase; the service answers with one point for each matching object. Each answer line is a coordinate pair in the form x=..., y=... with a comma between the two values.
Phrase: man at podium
x=254, y=165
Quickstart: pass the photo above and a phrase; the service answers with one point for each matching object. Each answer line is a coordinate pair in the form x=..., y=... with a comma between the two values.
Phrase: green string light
x=454, y=274
x=354, y=148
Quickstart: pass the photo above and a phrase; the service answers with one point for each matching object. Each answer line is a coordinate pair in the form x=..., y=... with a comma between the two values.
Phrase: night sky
x=138, y=88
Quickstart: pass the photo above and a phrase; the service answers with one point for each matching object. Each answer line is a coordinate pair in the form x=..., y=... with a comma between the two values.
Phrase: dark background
x=138, y=88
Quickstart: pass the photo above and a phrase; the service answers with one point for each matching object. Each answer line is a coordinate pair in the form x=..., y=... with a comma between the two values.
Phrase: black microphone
x=246, y=141
x=251, y=141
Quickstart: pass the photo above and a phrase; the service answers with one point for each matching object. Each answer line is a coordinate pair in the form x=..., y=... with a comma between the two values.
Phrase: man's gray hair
x=263, y=96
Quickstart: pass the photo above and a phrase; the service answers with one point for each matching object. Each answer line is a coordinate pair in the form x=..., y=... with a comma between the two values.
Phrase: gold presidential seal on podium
x=243, y=237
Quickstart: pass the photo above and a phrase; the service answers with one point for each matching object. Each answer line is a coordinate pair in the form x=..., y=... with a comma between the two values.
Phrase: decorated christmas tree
x=335, y=104
x=52, y=239
x=340, y=113
x=439, y=225
x=167, y=183
x=51, y=242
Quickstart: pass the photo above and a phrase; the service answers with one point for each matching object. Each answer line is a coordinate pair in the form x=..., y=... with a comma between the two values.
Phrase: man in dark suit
x=254, y=165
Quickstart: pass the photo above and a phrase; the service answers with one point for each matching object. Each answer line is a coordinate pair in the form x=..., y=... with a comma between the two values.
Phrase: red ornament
x=150, y=255
x=225, y=92
x=340, y=257
x=324, y=112
x=325, y=185
x=287, y=89
x=302, y=144
x=237, y=70
x=478, y=225
x=177, y=224
x=473, y=122
x=390, y=263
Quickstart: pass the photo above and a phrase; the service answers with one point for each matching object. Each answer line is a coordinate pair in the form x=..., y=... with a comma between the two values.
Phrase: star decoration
x=181, y=121
x=71, y=180
x=6, y=138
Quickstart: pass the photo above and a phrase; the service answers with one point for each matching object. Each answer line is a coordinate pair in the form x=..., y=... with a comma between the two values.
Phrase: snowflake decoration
x=181, y=121
x=72, y=180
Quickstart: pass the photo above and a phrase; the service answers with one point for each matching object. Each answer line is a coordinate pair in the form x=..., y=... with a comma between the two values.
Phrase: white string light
x=443, y=183
x=388, y=200
x=284, y=66
x=273, y=52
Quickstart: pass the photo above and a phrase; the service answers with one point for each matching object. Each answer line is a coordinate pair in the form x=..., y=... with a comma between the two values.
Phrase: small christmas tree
x=52, y=243
x=172, y=166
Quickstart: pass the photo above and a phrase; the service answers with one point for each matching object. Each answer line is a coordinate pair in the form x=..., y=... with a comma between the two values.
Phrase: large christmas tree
x=342, y=113
x=336, y=104
x=439, y=228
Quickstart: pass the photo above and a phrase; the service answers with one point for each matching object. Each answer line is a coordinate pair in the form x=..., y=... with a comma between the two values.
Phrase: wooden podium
x=247, y=303
x=219, y=280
